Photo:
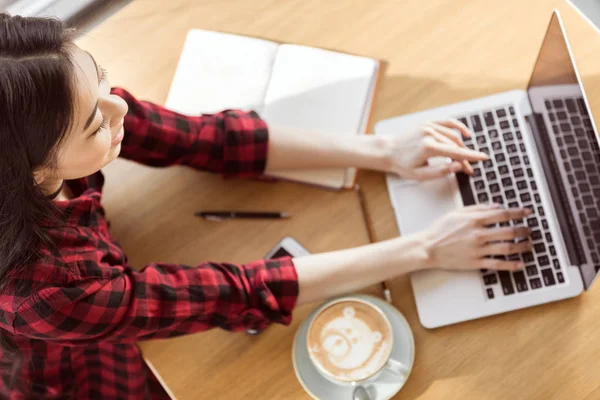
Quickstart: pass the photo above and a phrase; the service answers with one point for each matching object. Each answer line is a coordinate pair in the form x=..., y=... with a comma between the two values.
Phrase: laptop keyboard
x=507, y=178
x=573, y=132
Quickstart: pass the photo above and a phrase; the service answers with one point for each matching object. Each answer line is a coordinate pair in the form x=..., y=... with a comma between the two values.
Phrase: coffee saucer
x=321, y=388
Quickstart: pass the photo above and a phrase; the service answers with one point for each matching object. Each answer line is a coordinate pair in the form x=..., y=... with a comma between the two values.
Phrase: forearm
x=322, y=276
x=294, y=149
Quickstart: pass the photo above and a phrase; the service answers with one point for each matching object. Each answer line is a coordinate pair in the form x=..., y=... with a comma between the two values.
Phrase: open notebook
x=288, y=85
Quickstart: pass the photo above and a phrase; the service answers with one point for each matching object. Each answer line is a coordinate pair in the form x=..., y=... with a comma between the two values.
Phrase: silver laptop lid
x=589, y=9
x=567, y=141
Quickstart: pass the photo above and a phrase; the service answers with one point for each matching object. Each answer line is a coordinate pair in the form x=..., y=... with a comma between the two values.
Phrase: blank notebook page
x=323, y=91
x=220, y=70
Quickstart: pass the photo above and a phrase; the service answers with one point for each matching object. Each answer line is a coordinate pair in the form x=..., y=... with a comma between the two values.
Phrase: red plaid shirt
x=75, y=322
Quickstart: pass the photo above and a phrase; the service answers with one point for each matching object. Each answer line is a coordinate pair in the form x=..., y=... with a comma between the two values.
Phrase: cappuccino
x=350, y=340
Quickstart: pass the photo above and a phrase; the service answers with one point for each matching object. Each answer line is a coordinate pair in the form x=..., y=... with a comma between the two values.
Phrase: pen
x=387, y=294
x=222, y=215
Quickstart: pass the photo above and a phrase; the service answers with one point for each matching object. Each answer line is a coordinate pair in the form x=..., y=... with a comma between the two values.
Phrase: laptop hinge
x=566, y=219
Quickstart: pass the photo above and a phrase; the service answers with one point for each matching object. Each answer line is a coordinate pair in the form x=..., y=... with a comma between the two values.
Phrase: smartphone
x=288, y=246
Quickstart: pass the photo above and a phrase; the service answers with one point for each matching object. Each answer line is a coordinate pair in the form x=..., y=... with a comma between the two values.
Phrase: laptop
x=544, y=154
x=589, y=10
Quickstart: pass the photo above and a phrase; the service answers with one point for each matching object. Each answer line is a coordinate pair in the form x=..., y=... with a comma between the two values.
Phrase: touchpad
x=417, y=205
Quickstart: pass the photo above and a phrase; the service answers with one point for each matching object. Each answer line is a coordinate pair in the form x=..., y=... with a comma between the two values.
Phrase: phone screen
x=281, y=252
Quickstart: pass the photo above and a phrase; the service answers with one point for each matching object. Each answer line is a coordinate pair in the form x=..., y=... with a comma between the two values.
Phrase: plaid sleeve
x=234, y=143
x=162, y=300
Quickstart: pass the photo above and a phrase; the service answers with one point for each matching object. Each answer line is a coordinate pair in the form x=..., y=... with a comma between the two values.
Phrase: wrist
x=371, y=152
x=407, y=254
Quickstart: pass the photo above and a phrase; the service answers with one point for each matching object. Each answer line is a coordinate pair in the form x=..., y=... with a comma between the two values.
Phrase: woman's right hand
x=464, y=238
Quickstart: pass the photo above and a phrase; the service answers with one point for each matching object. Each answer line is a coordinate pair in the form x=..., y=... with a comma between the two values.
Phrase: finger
x=483, y=207
x=494, y=263
x=432, y=132
x=436, y=171
x=502, y=215
x=451, y=134
x=437, y=149
x=456, y=124
x=505, y=248
x=508, y=233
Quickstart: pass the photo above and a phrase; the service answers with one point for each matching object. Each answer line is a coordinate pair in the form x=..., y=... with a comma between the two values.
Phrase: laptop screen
x=568, y=146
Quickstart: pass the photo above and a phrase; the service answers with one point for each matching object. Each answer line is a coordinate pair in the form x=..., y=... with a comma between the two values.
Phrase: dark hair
x=36, y=109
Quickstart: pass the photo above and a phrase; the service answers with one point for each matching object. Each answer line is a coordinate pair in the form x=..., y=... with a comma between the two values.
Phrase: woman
x=71, y=308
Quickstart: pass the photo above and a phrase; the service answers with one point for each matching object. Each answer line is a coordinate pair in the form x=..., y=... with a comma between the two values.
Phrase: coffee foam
x=350, y=341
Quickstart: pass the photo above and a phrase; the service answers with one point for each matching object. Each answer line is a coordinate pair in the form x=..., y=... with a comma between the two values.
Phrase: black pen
x=221, y=215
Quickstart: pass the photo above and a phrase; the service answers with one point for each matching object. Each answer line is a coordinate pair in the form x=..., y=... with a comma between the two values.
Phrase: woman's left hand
x=406, y=154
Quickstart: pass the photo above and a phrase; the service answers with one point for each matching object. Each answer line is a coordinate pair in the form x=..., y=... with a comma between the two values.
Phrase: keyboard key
x=476, y=121
x=488, y=164
x=500, y=157
x=489, y=118
x=490, y=293
x=498, y=200
x=525, y=197
x=561, y=115
x=510, y=194
x=480, y=140
x=540, y=211
x=560, y=278
x=513, y=204
x=536, y=235
x=532, y=222
x=491, y=176
x=514, y=161
x=490, y=279
x=519, y=136
x=570, y=105
x=511, y=110
x=520, y=281
x=511, y=148
x=565, y=126
x=521, y=185
x=545, y=224
x=548, y=237
x=507, y=181
x=482, y=197
x=531, y=270
x=526, y=160
x=552, y=250
x=522, y=147
x=515, y=123
x=544, y=261
x=557, y=103
x=494, y=188
x=504, y=125
x=548, y=277
x=476, y=172
x=539, y=248
x=532, y=184
x=535, y=283
x=537, y=198
x=501, y=112
x=493, y=134
x=465, y=188
x=506, y=282
x=508, y=136
x=503, y=169
x=556, y=263
x=529, y=173
x=496, y=146
x=518, y=172
x=479, y=185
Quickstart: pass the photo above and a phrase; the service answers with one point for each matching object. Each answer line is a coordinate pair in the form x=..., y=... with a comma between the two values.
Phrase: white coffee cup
x=384, y=369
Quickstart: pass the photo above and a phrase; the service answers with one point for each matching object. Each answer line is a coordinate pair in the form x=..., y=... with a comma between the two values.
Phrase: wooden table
x=436, y=52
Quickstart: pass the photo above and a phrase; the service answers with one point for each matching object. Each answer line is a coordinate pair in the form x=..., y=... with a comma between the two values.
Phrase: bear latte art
x=350, y=341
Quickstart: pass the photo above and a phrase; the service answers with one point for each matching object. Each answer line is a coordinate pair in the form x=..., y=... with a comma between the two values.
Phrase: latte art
x=350, y=340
